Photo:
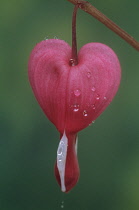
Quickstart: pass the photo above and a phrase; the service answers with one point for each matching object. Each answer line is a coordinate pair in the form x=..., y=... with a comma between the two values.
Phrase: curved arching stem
x=87, y=7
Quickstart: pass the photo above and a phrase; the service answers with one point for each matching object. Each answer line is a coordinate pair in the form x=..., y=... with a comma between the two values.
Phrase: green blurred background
x=108, y=150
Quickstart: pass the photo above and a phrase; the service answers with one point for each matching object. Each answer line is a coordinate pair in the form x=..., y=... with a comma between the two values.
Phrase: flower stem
x=74, y=59
x=87, y=7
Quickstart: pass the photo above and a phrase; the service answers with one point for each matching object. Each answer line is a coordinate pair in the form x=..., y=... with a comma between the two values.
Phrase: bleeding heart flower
x=72, y=96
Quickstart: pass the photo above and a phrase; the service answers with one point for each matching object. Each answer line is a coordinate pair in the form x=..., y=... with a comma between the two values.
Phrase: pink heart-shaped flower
x=72, y=96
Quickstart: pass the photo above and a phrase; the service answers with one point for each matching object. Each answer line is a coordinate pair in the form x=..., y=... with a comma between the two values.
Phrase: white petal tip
x=61, y=160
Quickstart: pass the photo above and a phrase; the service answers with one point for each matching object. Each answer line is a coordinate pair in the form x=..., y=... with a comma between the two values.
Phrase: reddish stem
x=74, y=59
x=87, y=7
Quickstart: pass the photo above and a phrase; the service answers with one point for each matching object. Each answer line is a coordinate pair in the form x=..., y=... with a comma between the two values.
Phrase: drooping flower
x=73, y=90
x=72, y=96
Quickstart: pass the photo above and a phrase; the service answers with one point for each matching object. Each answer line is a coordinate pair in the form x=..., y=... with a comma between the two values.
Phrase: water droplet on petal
x=75, y=107
x=93, y=106
x=105, y=98
x=77, y=92
x=93, y=89
x=60, y=151
x=98, y=97
x=71, y=62
x=92, y=123
x=85, y=113
x=88, y=74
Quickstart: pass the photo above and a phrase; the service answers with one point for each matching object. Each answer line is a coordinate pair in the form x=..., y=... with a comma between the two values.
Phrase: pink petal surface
x=73, y=96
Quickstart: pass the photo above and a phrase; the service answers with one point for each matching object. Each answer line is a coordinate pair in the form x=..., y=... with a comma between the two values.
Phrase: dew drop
x=85, y=113
x=72, y=62
x=77, y=92
x=60, y=151
x=92, y=123
x=93, y=89
x=93, y=107
x=88, y=74
x=62, y=204
x=46, y=38
x=98, y=97
x=75, y=107
x=105, y=98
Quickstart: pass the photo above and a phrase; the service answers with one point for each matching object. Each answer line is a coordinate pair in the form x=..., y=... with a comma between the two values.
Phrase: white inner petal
x=61, y=159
